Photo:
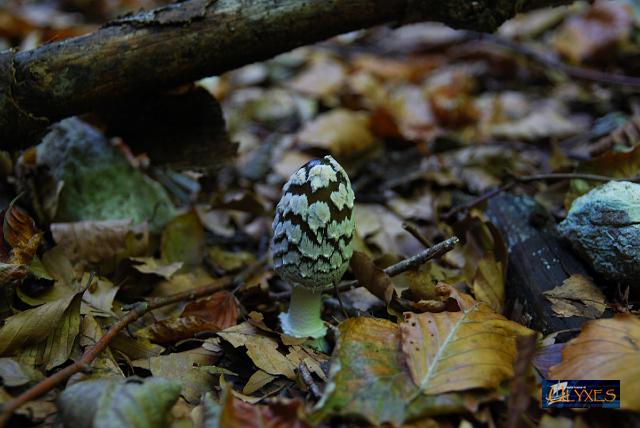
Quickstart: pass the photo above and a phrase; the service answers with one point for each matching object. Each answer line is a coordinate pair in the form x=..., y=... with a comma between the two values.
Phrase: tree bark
x=539, y=260
x=192, y=39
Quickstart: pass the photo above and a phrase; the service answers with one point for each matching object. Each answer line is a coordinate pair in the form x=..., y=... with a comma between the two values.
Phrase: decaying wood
x=192, y=39
x=538, y=261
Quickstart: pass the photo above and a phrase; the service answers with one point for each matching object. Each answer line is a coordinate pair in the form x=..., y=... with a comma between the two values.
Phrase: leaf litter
x=425, y=120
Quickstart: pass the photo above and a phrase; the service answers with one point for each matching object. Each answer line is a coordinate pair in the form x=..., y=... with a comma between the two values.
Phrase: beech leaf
x=606, y=349
x=455, y=351
x=211, y=314
x=369, y=379
x=33, y=325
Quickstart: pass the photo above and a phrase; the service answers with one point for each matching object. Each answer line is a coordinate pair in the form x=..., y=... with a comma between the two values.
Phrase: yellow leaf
x=455, y=351
x=488, y=282
x=606, y=349
x=343, y=132
x=262, y=350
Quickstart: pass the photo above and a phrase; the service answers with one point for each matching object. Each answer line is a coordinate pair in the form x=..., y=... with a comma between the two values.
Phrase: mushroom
x=313, y=233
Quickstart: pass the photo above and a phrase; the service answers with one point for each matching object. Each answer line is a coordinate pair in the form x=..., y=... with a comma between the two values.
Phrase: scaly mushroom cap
x=314, y=225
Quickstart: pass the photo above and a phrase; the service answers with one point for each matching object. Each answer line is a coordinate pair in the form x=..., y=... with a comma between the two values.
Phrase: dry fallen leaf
x=262, y=350
x=155, y=266
x=489, y=282
x=188, y=367
x=33, y=325
x=455, y=351
x=281, y=414
x=596, y=33
x=322, y=78
x=577, y=296
x=95, y=241
x=372, y=277
x=606, y=349
x=210, y=314
x=344, y=133
x=370, y=380
x=21, y=233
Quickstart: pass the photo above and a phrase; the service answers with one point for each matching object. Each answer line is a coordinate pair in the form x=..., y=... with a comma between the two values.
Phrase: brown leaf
x=322, y=78
x=598, y=32
x=455, y=351
x=262, y=350
x=281, y=414
x=188, y=367
x=372, y=277
x=212, y=314
x=452, y=103
x=577, y=296
x=606, y=349
x=20, y=232
x=520, y=393
x=343, y=132
x=96, y=241
x=10, y=272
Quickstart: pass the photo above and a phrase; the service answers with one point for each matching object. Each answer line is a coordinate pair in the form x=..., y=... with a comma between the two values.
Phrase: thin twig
x=91, y=353
x=396, y=269
x=308, y=380
x=409, y=227
x=555, y=65
x=413, y=261
x=337, y=293
x=477, y=201
x=527, y=179
x=422, y=257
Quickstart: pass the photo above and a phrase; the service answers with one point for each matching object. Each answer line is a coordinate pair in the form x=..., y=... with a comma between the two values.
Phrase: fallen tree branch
x=179, y=43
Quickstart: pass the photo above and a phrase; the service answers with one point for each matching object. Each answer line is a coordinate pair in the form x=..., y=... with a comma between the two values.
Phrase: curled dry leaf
x=455, y=351
x=577, y=296
x=211, y=314
x=372, y=277
x=257, y=380
x=20, y=232
x=606, y=349
x=10, y=272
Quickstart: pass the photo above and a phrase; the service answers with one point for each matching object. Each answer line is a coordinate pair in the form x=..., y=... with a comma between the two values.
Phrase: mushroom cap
x=314, y=225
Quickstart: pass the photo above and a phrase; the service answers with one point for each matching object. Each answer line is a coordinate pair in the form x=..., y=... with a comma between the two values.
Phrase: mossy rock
x=98, y=181
x=604, y=227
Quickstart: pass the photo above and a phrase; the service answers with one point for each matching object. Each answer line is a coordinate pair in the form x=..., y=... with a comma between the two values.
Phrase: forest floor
x=139, y=295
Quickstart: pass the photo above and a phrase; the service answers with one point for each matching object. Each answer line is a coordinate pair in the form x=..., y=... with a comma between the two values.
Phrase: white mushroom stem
x=303, y=318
